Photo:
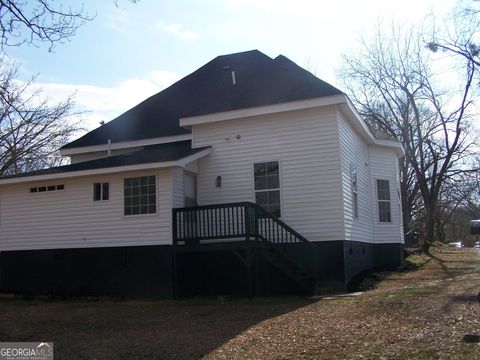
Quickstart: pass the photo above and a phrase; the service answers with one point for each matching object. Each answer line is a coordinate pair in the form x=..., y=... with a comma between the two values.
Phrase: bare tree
x=459, y=34
x=31, y=130
x=38, y=21
x=392, y=83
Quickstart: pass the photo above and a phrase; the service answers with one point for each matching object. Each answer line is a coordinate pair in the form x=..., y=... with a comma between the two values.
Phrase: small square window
x=101, y=191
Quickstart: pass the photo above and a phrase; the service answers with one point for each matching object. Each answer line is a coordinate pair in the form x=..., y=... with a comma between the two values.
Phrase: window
x=383, y=195
x=267, y=186
x=353, y=177
x=140, y=195
x=101, y=191
x=37, y=189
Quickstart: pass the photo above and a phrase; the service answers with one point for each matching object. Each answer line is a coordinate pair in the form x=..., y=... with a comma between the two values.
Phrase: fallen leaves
x=425, y=313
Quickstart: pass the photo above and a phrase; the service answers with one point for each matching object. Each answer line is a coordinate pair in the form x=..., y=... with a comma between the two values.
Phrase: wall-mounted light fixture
x=218, y=181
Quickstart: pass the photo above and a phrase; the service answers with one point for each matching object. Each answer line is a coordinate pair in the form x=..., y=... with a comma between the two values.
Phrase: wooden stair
x=290, y=269
x=281, y=245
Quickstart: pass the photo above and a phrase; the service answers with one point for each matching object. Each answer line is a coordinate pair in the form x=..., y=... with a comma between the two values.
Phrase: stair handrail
x=280, y=222
x=260, y=214
x=191, y=225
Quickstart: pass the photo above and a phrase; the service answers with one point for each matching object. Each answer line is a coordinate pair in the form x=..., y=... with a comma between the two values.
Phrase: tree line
x=418, y=84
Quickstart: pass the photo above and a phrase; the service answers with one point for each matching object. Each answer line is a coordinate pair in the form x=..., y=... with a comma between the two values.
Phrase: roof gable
x=259, y=80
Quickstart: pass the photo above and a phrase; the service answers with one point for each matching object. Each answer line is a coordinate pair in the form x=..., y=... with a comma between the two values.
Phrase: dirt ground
x=431, y=312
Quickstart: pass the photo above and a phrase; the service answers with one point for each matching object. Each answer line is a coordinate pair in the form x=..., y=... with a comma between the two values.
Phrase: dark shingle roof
x=149, y=154
x=260, y=80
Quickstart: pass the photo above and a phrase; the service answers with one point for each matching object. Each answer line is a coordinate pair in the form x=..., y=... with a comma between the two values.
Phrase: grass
x=422, y=312
x=406, y=293
x=416, y=261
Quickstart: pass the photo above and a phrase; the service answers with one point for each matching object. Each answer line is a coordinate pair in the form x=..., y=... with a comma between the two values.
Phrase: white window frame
x=385, y=201
x=101, y=191
x=59, y=187
x=354, y=187
x=156, y=197
x=279, y=189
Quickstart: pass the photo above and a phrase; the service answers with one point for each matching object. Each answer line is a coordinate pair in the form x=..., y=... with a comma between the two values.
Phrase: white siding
x=178, y=200
x=71, y=219
x=354, y=152
x=192, y=167
x=384, y=166
x=306, y=145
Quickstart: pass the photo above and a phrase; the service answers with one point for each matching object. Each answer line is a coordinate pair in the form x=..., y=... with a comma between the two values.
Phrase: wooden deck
x=248, y=231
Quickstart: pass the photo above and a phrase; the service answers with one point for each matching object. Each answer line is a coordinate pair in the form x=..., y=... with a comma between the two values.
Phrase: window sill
x=139, y=216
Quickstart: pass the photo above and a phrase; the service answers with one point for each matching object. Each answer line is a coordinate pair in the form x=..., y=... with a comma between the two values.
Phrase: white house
x=276, y=182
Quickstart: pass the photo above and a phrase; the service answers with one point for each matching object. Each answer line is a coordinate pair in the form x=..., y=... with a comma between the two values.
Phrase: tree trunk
x=429, y=225
x=405, y=194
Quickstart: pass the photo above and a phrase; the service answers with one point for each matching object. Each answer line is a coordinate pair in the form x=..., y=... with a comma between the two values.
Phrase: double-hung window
x=267, y=186
x=101, y=191
x=353, y=176
x=384, y=204
x=140, y=195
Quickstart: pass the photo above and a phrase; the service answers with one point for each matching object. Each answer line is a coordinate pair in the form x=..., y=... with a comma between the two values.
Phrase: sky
x=131, y=51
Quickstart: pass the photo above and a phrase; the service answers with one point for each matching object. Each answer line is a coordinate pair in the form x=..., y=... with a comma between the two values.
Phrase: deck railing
x=242, y=221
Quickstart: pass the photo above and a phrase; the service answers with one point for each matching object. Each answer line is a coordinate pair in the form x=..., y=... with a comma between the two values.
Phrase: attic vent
x=234, y=80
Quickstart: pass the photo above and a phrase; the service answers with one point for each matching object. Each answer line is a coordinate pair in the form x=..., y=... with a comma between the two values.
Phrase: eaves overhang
x=105, y=170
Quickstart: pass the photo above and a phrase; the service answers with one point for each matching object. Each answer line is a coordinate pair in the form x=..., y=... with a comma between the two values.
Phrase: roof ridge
x=256, y=80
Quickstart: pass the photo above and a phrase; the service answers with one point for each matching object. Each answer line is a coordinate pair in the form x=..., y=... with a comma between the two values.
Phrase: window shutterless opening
x=49, y=188
x=384, y=205
x=101, y=191
x=267, y=186
x=353, y=176
x=140, y=195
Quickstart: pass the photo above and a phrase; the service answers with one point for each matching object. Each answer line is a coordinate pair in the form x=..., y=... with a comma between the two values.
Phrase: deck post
x=175, y=274
x=250, y=272
x=256, y=220
x=316, y=267
x=247, y=214
x=174, y=255
x=193, y=227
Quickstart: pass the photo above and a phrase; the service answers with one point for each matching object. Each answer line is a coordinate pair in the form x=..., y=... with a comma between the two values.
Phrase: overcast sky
x=132, y=51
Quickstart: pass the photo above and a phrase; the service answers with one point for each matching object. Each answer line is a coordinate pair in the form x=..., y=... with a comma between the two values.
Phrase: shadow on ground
x=107, y=329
